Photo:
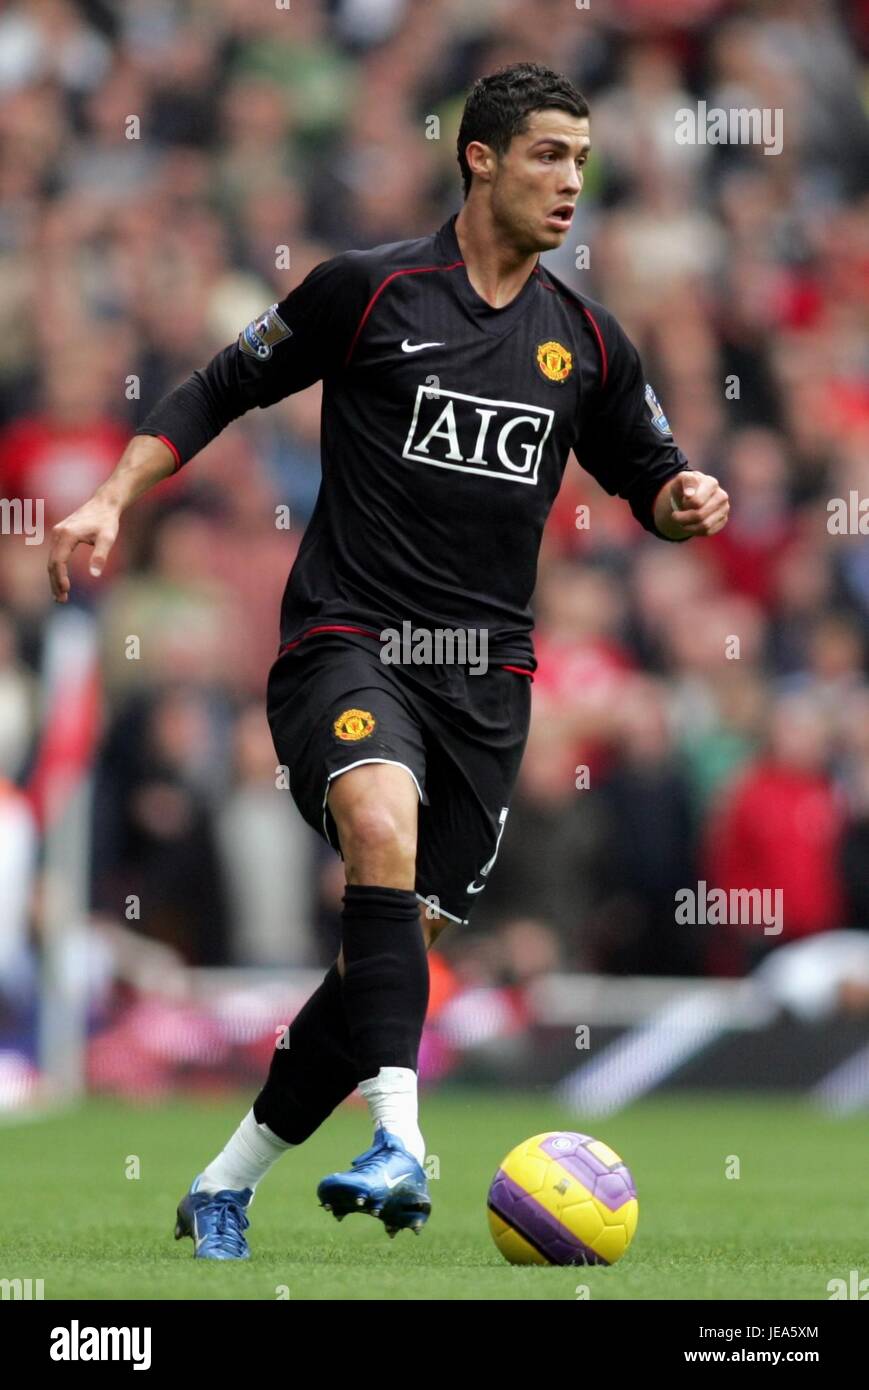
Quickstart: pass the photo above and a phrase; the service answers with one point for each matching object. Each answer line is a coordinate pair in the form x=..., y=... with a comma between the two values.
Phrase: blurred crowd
x=701, y=711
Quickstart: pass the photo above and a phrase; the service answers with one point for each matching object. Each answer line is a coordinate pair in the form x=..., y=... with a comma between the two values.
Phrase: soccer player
x=458, y=373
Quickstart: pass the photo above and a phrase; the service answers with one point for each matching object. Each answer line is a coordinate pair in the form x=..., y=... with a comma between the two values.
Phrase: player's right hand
x=96, y=524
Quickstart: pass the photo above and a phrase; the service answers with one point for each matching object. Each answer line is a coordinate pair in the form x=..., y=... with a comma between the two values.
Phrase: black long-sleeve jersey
x=446, y=425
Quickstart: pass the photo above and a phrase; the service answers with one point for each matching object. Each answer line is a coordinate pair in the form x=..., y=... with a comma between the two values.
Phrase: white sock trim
x=247, y=1157
x=392, y=1103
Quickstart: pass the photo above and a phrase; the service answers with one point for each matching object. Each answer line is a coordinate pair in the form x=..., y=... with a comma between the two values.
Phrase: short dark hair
x=498, y=107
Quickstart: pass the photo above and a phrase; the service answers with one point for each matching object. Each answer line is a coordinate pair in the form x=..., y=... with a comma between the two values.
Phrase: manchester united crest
x=554, y=360
x=353, y=725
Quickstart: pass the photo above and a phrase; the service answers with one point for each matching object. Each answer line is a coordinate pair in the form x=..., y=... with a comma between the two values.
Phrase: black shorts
x=333, y=705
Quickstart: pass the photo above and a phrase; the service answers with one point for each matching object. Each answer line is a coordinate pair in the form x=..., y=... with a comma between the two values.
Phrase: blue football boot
x=216, y=1221
x=385, y=1181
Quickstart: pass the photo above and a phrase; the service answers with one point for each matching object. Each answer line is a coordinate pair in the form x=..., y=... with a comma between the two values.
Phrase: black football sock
x=386, y=979
x=312, y=1075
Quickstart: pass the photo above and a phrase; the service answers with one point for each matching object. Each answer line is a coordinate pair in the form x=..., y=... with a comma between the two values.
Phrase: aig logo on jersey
x=261, y=336
x=659, y=419
x=499, y=439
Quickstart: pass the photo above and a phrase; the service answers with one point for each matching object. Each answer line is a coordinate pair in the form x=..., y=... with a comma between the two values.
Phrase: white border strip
x=442, y=912
x=392, y=762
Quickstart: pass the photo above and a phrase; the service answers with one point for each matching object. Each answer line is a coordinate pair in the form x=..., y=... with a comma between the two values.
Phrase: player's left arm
x=691, y=504
x=625, y=442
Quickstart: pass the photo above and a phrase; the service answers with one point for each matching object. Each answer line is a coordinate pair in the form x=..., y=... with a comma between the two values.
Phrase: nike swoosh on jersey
x=417, y=347
x=475, y=887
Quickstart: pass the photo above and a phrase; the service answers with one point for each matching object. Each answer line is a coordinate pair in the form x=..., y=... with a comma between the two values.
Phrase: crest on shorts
x=261, y=336
x=554, y=361
x=354, y=724
x=659, y=419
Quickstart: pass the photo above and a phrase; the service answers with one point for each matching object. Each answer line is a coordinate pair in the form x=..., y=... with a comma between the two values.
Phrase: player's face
x=538, y=181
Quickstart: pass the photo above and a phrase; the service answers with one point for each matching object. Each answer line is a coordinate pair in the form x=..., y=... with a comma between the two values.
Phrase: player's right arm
x=144, y=462
x=293, y=344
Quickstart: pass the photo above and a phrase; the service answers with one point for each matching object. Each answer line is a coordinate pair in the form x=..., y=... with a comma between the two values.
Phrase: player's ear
x=481, y=160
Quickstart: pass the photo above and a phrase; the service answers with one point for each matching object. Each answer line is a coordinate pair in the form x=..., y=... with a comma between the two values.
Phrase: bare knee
x=375, y=815
x=377, y=847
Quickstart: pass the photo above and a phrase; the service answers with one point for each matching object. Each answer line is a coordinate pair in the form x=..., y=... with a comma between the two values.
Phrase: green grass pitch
x=786, y=1226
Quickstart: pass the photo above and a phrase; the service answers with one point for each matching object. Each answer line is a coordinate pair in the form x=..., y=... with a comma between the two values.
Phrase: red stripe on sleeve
x=604, y=365
x=170, y=445
x=412, y=270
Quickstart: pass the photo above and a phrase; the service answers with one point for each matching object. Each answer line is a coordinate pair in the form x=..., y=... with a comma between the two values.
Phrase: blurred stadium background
x=164, y=908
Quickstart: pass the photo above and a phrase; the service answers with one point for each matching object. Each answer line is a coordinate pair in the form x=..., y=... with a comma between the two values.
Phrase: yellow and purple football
x=563, y=1199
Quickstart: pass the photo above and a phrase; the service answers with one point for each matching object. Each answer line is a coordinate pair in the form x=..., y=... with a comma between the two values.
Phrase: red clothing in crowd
x=780, y=828
x=582, y=681
x=748, y=564
x=61, y=464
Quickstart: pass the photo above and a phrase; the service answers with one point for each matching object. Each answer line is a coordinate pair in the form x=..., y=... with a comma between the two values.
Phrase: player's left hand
x=691, y=504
